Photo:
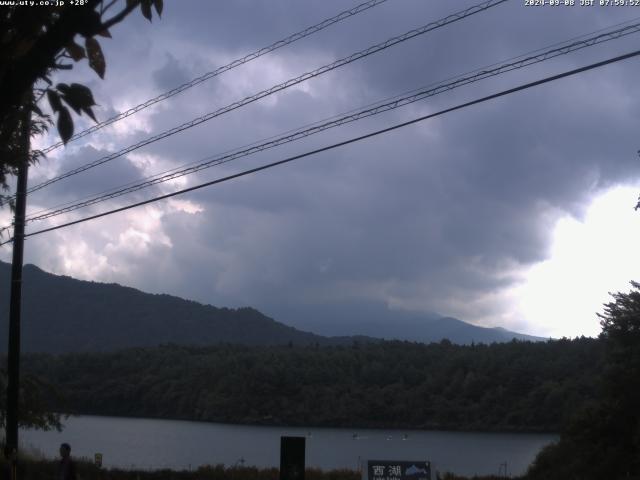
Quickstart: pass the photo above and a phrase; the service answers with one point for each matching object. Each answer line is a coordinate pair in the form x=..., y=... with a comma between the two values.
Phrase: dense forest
x=602, y=439
x=516, y=386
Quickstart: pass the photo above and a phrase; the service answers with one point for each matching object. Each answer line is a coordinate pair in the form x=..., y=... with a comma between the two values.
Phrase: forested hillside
x=62, y=314
x=513, y=386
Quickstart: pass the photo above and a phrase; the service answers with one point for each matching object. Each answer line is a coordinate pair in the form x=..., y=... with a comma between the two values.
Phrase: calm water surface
x=152, y=444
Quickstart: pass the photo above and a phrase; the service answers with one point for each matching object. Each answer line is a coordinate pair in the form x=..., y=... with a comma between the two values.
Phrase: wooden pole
x=13, y=356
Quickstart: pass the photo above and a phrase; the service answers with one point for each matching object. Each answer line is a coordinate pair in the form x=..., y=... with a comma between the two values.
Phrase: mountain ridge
x=379, y=321
x=62, y=314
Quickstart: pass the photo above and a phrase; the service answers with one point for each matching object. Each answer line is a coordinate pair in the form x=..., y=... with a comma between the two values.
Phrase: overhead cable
x=379, y=107
x=606, y=31
x=277, y=88
x=225, y=68
x=343, y=143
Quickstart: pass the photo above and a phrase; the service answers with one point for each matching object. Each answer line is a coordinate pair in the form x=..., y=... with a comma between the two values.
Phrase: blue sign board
x=395, y=470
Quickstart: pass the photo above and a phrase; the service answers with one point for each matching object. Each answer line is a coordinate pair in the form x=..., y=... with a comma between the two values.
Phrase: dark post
x=292, y=458
x=13, y=356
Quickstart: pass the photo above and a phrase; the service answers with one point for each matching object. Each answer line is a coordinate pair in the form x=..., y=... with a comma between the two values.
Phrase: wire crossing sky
x=341, y=144
x=454, y=17
x=225, y=68
x=382, y=106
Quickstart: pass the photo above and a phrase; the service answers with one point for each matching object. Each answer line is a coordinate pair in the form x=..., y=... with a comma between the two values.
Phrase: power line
x=303, y=132
x=225, y=68
x=282, y=86
x=627, y=29
x=343, y=143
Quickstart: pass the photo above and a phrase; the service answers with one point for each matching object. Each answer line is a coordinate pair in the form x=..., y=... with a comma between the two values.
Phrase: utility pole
x=13, y=356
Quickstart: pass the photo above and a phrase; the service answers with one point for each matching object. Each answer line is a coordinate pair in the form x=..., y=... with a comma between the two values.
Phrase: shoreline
x=267, y=424
x=32, y=469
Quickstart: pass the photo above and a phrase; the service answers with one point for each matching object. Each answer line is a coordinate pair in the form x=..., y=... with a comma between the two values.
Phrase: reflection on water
x=153, y=444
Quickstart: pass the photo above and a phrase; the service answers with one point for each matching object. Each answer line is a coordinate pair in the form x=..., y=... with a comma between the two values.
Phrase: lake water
x=154, y=444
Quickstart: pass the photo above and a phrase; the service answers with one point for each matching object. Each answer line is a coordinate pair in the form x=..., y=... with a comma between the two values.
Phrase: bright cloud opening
x=589, y=259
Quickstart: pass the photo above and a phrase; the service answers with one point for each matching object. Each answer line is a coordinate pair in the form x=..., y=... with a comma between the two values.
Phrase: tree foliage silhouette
x=36, y=42
x=603, y=440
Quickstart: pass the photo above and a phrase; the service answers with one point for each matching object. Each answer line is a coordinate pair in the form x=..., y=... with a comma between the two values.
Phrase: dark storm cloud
x=173, y=73
x=90, y=182
x=433, y=216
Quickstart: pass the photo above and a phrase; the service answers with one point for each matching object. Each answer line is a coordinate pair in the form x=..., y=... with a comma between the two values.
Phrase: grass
x=37, y=469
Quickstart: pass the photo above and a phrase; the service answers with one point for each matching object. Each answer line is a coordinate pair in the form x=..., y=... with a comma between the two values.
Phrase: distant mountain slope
x=376, y=320
x=62, y=314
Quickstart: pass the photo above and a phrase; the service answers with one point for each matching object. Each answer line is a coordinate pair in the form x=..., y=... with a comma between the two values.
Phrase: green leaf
x=76, y=51
x=63, y=88
x=159, y=4
x=84, y=93
x=145, y=7
x=54, y=100
x=65, y=125
x=96, y=58
x=89, y=112
x=35, y=109
x=91, y=23
x=79, y=98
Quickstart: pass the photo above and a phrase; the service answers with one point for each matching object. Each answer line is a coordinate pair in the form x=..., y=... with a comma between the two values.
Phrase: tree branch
x=35, y=64
x=105, y=8
x=120, y=16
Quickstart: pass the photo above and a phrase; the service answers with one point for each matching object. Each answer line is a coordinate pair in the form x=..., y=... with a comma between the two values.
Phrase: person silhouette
x=66, y=468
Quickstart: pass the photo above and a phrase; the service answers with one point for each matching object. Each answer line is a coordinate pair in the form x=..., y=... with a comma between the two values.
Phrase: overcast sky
x=515, y=213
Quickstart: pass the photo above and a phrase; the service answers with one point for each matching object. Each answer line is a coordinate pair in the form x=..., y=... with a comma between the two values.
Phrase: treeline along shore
x=515, y=386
